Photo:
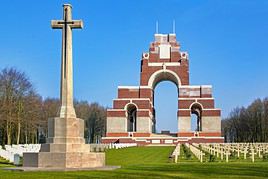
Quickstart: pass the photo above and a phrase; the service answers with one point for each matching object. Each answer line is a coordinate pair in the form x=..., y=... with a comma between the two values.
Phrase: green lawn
x=154, y=162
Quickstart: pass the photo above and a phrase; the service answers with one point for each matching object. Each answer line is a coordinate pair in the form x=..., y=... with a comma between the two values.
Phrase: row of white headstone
x=102, y=147
x=10, y=151
x=176, y=152
x=123, y=145
x=245, y=149
x=196, y=151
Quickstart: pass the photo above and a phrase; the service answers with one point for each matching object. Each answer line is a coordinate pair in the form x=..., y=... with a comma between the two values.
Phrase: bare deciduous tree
x=24, y=114
x=247, y=124
x=14, y=87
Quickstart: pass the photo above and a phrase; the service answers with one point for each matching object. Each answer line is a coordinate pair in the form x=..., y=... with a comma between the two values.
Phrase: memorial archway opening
x=165, y=95
x=196, y=117
x=131, y=118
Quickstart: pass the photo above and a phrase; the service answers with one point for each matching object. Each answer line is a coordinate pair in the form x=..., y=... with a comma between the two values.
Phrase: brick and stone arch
x=163, y=75
x=196, y=109
x=163, y=62
x=131, y=109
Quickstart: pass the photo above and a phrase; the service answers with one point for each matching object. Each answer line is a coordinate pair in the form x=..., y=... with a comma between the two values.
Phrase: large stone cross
x=65, y=146
x=66, y=93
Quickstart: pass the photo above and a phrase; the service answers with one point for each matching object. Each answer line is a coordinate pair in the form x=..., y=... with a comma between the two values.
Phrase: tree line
x=24, y=113
x=247, y=124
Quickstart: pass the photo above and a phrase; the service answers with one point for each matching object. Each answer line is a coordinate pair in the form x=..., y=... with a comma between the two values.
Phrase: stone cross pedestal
x=65, y=147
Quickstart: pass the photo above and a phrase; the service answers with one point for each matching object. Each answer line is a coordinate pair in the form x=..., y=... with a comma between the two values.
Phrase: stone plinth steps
x=66, y=147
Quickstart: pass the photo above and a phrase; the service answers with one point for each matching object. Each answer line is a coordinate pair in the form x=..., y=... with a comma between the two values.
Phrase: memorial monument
x=133, y=116
x=65, y=147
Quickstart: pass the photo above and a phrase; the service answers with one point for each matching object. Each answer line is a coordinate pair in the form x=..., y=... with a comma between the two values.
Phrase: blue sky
x=226, y=42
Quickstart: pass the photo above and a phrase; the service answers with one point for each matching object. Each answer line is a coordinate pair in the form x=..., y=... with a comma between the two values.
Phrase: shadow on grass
x=208, y=170
x=5, y=163
x=157, y=170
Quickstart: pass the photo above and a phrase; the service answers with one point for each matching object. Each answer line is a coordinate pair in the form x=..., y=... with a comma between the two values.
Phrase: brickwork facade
x=133, y=113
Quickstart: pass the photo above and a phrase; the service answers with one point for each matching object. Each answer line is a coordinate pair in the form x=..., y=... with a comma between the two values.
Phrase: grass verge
x=153, y=162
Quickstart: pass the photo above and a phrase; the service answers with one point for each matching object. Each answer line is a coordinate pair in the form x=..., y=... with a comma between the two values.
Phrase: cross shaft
x=66, y=92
